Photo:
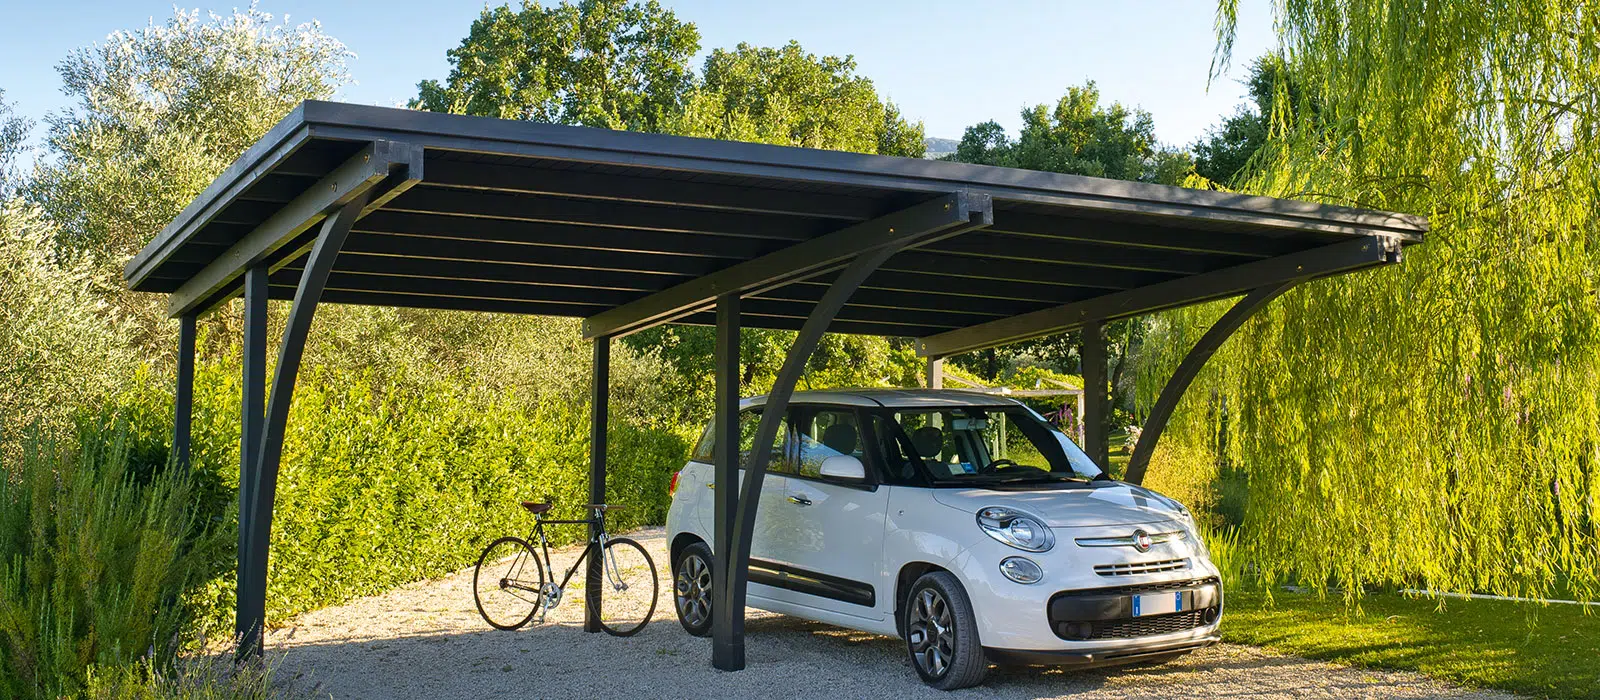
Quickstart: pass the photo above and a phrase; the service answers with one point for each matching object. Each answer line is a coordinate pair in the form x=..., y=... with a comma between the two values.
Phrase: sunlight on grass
x=1549, y=651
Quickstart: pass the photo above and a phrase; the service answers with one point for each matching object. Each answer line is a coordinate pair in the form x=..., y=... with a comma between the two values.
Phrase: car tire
x=691, y=588
x=941, y=633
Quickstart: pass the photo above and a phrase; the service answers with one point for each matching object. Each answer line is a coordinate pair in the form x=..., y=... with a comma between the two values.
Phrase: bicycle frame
x=597, y=543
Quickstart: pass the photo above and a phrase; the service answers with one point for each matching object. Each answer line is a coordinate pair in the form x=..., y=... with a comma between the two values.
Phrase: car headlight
x=1186, y=519
x=1184, y=516
x=1016, y=529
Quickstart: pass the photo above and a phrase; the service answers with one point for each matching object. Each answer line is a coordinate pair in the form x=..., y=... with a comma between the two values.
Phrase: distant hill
x=938, y=148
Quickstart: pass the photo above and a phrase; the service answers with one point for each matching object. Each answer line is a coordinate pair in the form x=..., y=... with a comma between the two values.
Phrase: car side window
x=705, y=450
x=896, y=454
x=829, y=433
x=783, y=457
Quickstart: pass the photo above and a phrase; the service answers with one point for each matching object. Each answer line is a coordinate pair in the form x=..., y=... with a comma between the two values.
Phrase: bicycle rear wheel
x=628, y=588
x=508, y=583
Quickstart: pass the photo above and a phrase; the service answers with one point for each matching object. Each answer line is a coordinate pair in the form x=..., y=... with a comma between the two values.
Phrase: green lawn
x=1551, y=651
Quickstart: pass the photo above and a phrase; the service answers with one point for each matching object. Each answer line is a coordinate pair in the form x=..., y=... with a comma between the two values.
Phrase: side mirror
x=843, y=468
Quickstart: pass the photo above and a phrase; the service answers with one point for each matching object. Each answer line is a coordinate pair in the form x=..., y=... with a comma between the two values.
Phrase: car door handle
x=800, y=500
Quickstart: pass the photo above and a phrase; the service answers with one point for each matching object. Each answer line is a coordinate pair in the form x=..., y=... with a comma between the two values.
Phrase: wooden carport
x=365, y=205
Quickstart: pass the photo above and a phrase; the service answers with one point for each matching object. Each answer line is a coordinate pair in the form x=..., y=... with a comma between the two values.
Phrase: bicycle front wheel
x=628, y=588
x=508, y=583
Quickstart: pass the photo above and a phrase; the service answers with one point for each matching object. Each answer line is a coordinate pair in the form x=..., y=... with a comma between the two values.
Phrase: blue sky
x=950, y=64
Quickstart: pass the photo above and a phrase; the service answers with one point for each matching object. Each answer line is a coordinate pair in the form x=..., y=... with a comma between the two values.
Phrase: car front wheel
x=691, y=588
x=941, y=633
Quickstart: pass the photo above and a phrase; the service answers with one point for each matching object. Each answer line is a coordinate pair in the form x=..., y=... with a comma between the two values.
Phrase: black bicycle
x=512, y=584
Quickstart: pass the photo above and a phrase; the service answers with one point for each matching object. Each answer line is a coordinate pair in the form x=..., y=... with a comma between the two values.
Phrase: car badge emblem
x=1142, y=541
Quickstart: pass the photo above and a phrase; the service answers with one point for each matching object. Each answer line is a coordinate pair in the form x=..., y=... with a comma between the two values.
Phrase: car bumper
x=1128, y=654
x=1075, y=613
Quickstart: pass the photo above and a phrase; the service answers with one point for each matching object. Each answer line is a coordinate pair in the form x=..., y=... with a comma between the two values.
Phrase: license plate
x=1157, y=604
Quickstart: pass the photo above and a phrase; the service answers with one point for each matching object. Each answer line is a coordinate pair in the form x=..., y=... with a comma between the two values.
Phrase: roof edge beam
x=388, y=166
x=1355, y=254
x=944, y=216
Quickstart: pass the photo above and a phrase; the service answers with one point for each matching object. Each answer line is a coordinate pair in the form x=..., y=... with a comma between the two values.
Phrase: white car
x=961, y=522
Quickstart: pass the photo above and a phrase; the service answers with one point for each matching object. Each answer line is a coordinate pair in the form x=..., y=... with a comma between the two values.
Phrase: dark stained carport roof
x=506, y=216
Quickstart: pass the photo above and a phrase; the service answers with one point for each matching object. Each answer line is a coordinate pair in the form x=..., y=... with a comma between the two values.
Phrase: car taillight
x=672, y=488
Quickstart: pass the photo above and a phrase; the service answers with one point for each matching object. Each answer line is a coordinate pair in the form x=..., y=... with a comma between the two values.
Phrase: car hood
x=1105, y=504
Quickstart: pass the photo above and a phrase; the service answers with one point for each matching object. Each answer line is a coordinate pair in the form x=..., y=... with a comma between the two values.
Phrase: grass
x=1548, y=651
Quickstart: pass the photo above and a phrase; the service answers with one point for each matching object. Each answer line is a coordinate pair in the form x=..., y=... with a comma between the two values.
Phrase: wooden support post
x=183, y=394
x=1096, y=404
x=254, y=398
x=599, y=412
x=935, y=373
x=727, y=629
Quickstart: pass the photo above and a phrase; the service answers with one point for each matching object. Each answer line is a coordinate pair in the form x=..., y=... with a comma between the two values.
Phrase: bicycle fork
x=613, y=570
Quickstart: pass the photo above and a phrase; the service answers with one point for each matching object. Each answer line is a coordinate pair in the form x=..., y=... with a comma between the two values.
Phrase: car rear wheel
x=691, y=589
x=941, y=633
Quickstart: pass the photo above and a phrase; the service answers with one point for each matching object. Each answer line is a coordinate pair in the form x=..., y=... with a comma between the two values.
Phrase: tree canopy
x=615, y=64
x=158, y=113
x=13, y=139
x=1079, y=136
x=789, y=97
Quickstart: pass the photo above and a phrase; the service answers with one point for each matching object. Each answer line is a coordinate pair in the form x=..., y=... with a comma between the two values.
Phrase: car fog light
x=1021, y=570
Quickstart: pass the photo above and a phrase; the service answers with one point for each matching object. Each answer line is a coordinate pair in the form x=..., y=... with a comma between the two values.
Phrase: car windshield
x=969, y=445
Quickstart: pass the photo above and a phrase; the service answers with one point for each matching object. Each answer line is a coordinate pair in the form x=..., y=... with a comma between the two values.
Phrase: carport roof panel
x=537, y=218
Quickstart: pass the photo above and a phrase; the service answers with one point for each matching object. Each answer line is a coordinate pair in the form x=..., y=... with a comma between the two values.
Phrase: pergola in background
x=365, y=205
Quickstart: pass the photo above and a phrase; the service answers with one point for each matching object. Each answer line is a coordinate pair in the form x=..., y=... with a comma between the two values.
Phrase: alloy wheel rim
x=930, y=633
x=693, y=588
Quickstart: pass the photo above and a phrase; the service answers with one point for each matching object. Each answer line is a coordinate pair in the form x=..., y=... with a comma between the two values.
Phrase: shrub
x=95, y=559
x=201, y=678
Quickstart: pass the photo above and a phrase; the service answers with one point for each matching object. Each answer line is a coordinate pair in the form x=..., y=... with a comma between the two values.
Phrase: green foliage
x=614, y=64
x=181, y=99
x=788, y=97
x=13, y=140
x=1433, y=424
x=1228, y=149
x=61, y=345
x=384, y=482
x=398, y=468
x=200, y=678
x=94, y=557
x=1079, y=136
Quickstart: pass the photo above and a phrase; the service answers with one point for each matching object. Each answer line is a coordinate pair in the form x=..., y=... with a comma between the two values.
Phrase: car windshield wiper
x=1054, y=476
x=1023, y=478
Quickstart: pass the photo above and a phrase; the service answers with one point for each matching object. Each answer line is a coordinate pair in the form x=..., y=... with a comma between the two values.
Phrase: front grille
x=1148, y=626
x=1148, y=567
x=1107, y=613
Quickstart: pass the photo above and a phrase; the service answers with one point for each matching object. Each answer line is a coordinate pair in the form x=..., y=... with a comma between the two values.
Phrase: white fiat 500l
x=962, y=523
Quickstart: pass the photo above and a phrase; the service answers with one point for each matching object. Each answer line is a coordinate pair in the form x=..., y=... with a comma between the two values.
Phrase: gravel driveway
x=426, y=641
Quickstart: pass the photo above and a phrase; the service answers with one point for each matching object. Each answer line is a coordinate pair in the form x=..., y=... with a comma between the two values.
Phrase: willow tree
x=1435, y=423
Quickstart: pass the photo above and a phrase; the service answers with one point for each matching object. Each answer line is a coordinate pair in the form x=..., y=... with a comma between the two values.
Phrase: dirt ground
x=426, y=640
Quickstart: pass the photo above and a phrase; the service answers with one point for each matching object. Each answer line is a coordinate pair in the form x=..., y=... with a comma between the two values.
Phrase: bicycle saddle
x=536, y=508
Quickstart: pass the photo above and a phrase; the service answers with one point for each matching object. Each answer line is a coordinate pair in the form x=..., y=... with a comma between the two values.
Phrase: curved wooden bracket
x=1189, y=368
x=255, y=533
